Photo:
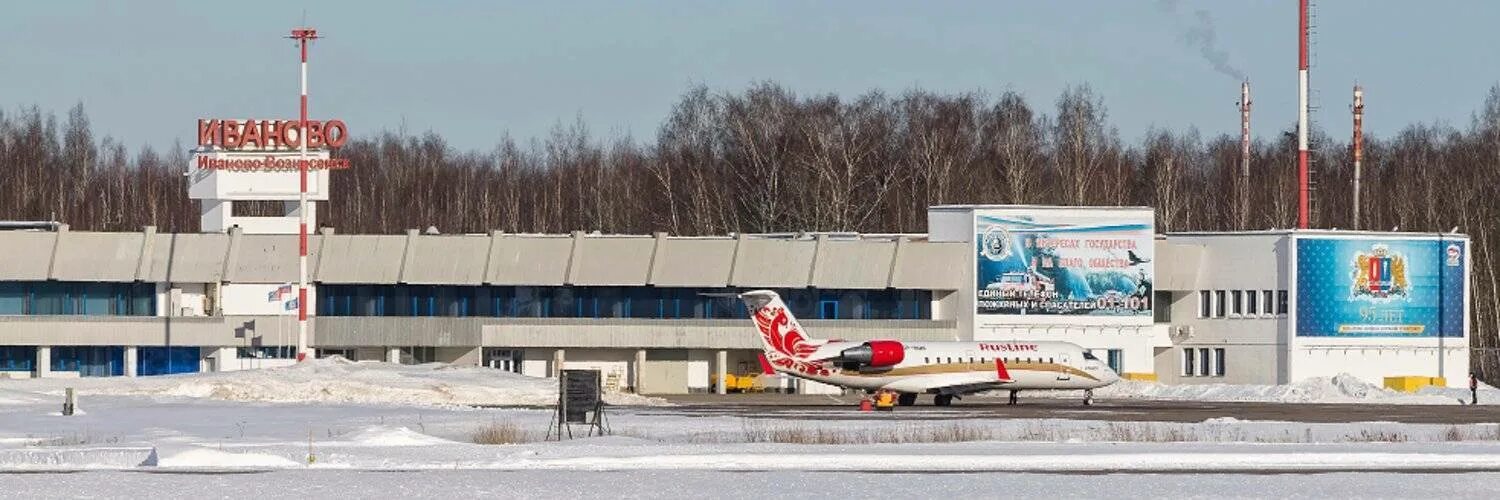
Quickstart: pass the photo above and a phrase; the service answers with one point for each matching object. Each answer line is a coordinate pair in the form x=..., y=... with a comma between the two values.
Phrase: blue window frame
x=13, y=298
x=17, y=358
x=828, y=309
x=167, y=360
x=89, y=361
x=77, y=298
x=644, y=302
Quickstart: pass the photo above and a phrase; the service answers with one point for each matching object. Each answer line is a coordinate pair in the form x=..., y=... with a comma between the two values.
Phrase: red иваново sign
x=271, y=134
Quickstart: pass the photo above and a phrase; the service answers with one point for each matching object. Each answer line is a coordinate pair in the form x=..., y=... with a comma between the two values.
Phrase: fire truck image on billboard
x=1056, y=263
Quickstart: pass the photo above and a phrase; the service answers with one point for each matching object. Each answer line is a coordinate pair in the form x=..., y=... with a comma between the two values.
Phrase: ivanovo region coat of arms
x=1379, y=274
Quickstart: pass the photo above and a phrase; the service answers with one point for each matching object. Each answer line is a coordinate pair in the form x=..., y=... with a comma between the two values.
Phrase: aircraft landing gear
x=942, y=400
x=1014, y=398
x=1088, y=397
x=906, y=399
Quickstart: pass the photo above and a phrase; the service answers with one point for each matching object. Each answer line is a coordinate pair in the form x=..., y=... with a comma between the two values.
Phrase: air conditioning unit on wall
x=1181, y=333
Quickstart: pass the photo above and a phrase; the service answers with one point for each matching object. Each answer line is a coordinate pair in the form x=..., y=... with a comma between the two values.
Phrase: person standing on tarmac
x=1473, y=389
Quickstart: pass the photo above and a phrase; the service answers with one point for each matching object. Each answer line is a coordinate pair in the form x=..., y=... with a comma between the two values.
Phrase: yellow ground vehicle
x=740, y=383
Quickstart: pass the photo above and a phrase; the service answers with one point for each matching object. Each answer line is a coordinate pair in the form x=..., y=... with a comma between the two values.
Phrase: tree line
x=767, y=159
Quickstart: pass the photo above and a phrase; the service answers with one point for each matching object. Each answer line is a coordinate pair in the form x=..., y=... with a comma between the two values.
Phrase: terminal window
x=1187, y=362
x=1205, y=304
x=17, y=358
x=609, y=302
x=1116, y=359
x=74, y=298
x=1162, y=306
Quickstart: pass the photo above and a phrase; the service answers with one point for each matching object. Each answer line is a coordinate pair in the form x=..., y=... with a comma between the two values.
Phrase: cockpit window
x=1089, y=355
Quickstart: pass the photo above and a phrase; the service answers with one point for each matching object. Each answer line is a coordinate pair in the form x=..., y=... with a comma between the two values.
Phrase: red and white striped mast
x=1302, y=167
x=1244, y=184
x=303, y=35
x=1358, y=144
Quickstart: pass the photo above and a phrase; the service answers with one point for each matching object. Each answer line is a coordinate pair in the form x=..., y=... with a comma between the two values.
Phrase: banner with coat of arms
x=1359, y=287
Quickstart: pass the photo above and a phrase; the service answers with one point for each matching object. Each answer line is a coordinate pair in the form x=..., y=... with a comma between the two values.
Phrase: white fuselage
x=961, y=367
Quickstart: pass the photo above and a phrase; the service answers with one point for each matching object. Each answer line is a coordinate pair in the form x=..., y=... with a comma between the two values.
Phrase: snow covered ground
x=331, y=380
x=364, y=427
x=303, y=484
x=1338, y=389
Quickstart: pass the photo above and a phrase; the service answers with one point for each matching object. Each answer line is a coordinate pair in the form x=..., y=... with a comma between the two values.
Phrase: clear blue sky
x=474, y=70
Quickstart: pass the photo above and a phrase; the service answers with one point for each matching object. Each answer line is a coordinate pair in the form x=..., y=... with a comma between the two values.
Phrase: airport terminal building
x=657, y=314
x=654, y=311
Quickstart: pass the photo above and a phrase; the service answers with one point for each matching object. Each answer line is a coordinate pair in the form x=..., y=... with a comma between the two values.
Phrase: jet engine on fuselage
x=872, y=354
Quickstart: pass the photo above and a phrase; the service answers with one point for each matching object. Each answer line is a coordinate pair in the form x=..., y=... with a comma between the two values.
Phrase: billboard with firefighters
x=1057, y=265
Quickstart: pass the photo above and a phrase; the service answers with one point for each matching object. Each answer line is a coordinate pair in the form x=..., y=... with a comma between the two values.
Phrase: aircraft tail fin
x=780, y=335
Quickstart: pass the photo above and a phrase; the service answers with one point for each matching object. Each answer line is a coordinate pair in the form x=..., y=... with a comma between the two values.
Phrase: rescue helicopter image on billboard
x=947, y=370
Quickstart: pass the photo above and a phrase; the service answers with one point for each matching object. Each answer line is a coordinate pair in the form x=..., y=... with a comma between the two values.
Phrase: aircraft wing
x=956, y=383
x=970, y=388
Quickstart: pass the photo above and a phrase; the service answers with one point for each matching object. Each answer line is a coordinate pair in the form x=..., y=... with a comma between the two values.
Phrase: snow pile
x=1343, y=388
x=1488, y=394
x=216, y=459
x=400, y=436
x=337, y=380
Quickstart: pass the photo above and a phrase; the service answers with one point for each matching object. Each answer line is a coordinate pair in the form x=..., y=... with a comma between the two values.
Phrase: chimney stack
x=1244, y=184
x=1358, y=145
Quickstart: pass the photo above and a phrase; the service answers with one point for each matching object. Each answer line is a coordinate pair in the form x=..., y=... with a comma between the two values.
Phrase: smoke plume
x=1205, y=38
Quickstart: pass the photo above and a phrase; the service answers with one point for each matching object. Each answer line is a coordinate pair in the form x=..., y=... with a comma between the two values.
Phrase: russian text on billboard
x=1037, y=263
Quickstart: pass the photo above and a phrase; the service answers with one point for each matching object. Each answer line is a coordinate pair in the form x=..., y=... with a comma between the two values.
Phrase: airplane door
x=1063, y=374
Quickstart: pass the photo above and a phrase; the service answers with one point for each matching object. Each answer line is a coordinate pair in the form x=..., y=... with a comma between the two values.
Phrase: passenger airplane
x=944, y=369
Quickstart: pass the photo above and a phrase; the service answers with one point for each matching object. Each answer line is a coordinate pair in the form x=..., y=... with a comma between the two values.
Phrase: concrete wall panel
x=617, y=261
x=89, y=256
x=361, y=258
x=1177, y=265
x=398, y=331
x=27, y=255
x=694, y=262
x=118, y=330
x=529, y=260
x=271, y=258
x=773, y=263
x=189, y=257
x=854, y=264
x=933, y=266
x=454, y=260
